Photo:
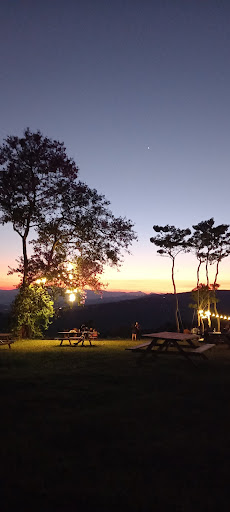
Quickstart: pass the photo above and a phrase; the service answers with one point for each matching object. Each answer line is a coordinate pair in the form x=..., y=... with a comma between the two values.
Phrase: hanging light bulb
x=72, y=297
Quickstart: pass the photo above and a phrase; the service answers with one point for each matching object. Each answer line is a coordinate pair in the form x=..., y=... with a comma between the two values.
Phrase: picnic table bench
x=172, y=343
x=6, y=339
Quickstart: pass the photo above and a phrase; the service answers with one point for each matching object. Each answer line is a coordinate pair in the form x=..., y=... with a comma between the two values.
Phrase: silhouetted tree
x=211, y=244
x=35, y=174
x=171, y=241
x=40, y=191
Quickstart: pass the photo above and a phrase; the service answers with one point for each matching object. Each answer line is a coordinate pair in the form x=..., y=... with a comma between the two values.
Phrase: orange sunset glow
x=158, y=282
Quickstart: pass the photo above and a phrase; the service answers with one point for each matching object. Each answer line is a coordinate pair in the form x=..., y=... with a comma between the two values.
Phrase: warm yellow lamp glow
x=41, y=281
x=72, y=297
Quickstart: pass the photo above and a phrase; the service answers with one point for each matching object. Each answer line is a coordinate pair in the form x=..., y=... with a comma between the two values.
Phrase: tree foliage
x=35, y=174
x=40, y=190
x=211, y=244
x=32, y=311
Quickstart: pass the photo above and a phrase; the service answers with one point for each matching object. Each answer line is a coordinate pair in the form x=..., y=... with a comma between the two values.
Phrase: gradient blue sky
x=112, y=79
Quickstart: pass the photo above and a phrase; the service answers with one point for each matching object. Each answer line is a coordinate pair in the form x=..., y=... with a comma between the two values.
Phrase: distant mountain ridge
x=8, y=296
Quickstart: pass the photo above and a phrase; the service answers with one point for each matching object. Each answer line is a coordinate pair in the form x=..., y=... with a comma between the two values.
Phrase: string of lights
x=208, y=314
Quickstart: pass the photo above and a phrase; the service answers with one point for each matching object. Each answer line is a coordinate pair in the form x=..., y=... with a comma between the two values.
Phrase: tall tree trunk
x=24, y=248
x=198, y=292
x=207, y=278
x=25, y=260
x=175, y=294
x=214, y=290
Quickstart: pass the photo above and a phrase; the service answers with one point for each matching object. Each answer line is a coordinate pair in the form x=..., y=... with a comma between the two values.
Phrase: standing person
x=136, y=332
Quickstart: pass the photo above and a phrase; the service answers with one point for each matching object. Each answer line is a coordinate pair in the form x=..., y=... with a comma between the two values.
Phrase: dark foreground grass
x=87, y=429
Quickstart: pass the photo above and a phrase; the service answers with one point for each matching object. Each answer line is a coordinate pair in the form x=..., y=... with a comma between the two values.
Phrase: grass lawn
x=85, y=428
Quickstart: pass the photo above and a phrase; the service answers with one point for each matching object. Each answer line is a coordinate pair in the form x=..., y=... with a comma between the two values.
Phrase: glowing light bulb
x=72, y=297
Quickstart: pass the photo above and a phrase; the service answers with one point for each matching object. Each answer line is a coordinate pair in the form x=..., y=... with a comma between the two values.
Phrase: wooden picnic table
x=76, y=337
x=71, y=336
x=172, y=343
x=6, y=339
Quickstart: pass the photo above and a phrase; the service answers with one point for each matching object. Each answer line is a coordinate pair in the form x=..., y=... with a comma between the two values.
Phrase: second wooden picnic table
x=6, y=339
x=172, y=343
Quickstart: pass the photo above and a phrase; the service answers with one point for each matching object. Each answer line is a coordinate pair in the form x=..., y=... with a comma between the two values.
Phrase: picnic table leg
x=145, y=352
x=203, y=356
x=190, y=342
x=79, y=341
x=164, y=346
x=65, y=339
x=183, y=353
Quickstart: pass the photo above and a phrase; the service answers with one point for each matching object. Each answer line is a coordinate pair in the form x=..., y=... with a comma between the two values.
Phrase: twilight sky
x=138, y=90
